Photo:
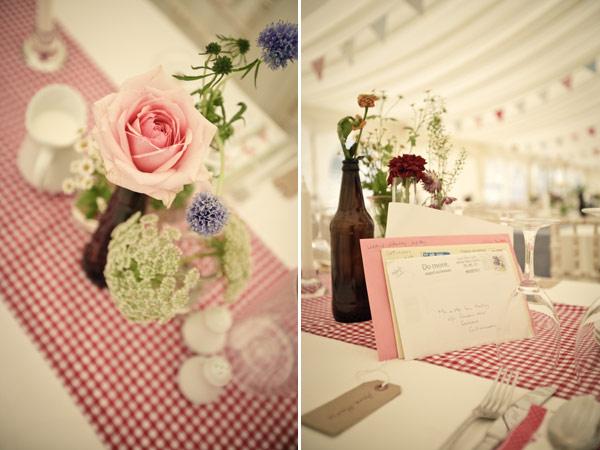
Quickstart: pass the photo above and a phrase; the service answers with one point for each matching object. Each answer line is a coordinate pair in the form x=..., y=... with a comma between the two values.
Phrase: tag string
x=364, y=375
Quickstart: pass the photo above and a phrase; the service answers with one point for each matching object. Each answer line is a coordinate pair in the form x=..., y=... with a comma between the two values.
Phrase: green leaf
x=190, y=77
x=344, y=128
x=239, y=115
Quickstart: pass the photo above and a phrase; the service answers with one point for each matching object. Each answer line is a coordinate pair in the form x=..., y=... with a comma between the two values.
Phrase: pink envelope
x=377, y=288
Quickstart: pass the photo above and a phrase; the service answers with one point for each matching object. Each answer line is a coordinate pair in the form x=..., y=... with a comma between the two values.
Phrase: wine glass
x=262, y=347
x=587, y=343
x=44, y=50
x=320, y=245
x=539, y=352
x=587, y=339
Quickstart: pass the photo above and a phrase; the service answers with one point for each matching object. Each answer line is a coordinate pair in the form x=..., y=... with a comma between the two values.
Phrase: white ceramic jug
x=54, y=116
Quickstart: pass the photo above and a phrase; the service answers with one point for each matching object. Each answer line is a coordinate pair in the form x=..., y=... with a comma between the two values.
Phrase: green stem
x=211, y=276
x=221, y=149
x=194, y=256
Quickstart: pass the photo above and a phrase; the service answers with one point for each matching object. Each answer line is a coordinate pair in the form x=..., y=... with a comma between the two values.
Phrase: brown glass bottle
x=350, y=223
x=122, y=205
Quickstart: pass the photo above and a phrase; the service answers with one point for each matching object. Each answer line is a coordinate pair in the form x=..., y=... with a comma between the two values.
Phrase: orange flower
x=367, y=100
x=359, y=123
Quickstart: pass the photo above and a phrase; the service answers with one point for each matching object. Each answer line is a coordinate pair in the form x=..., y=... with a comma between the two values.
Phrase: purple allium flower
x=279, y=44
x=207, y=215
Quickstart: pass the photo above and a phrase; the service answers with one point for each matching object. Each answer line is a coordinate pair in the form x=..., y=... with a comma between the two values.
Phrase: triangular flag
x=500, y=114
x=348, y=50
x=417, y=4
x=379, y=27
x=521, y=105
x=567, y=82
x=592, y=66
x=574, y=136
x=478, y=121
x=263, y=134
x=544, y=95
x=318, y=65
x=592, y=131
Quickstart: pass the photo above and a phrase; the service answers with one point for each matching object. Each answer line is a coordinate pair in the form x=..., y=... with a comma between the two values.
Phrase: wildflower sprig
x=350, y=128
x=440, y=178
x=226, y=57
x=380, y=146
x=88, y=178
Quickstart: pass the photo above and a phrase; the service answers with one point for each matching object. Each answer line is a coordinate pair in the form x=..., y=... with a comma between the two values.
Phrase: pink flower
x=431, y=181
x=151, y=137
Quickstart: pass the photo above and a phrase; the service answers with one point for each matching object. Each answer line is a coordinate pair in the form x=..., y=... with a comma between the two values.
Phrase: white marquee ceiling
x=526, y=59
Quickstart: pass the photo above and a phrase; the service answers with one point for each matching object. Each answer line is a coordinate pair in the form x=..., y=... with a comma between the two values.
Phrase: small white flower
x=101, y=204
x=87, y=183
x=86, y=166
x=81, y=146
x=68, y=186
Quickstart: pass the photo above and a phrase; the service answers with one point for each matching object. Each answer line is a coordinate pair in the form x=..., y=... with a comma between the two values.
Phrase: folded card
x=446, y=301
x=412, y=220
x=414, y=247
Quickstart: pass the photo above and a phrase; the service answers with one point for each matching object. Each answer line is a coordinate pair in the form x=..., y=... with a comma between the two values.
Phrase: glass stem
x=529, y=238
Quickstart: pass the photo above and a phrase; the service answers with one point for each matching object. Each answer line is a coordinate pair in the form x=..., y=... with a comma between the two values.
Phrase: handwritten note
x=443, y=302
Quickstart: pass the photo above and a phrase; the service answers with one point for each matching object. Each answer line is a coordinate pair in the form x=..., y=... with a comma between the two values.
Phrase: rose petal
x=150, y=162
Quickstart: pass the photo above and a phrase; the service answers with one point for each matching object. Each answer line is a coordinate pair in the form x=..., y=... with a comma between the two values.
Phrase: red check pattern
x=481, y=361
x=121, y=375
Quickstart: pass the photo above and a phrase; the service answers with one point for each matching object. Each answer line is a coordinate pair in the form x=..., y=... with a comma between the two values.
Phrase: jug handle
x=40, y=167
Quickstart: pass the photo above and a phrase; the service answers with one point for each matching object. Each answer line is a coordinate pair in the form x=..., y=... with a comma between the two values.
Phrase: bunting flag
x=347, y=50
x=574, y=136
x=417, y=5
x=263, y=134
x=592, y=131
x=567, y=82
x=500, y=114
x=592, y=66
x=318, y=66
x=379, y=27
x=478, y=121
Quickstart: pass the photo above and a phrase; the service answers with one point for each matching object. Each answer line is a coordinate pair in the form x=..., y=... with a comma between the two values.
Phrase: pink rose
x=151, y=137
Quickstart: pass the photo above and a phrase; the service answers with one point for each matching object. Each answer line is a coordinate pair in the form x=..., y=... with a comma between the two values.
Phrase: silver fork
x=491, y=407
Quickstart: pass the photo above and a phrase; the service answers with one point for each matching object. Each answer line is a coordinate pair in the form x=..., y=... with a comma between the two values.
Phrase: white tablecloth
x=434, y=400
x=124, y=37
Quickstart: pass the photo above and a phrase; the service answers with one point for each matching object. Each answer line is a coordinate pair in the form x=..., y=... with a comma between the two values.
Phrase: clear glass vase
x=379, y=207
x=401, y=191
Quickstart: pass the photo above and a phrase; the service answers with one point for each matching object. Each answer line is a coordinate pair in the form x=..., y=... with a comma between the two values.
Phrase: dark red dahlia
x=405, y=167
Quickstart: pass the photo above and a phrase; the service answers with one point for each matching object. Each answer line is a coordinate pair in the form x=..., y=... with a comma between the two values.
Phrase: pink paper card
x=383, y=324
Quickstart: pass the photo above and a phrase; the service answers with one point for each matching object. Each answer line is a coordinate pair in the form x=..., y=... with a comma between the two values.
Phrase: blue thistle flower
x=207, y=215
x=279, y=44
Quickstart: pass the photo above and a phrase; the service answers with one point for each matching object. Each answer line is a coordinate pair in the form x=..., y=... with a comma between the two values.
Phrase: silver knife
x=513, y=416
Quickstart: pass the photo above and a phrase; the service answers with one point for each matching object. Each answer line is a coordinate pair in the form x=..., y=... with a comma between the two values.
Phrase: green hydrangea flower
x=144, y=271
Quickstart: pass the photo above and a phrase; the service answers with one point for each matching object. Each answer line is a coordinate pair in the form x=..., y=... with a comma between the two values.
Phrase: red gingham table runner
x=481, y=361
x=121, y=375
